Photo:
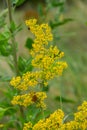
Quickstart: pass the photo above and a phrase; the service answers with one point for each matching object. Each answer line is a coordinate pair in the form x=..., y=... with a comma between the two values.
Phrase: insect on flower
x=28, y=28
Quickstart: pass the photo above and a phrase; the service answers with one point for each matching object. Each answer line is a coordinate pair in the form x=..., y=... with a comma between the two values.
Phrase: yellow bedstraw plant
x=46, y=60
x=47, y=64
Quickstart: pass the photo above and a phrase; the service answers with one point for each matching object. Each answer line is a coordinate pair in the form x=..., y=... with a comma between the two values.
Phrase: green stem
x=61, y=102
x=42, y=111
x=13, y=43
x=14, y=50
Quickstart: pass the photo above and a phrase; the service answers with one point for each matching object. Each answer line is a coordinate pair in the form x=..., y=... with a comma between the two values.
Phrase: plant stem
x=12, y=38
x=61, y=102
x=13, y=43
x=42, y=111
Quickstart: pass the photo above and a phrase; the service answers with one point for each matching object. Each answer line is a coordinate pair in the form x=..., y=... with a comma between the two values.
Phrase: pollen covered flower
x=80, y=119
x=27, y=126
x=29, y=99
x=29, y=79
x=53, y=122
x=42, y=32
x=81, y=116
x=45, y=59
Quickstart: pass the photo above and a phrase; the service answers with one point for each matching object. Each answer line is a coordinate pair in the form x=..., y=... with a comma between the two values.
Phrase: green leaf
x=19, y=28
x=28, y=65
x=46, y=88
x=5, y=78
x=24, y=65
x=19, y=2
x=21, y=64
x=29, y=43
x=10, y=111
x=14, y=2
x=7, y=111
x=57, y=98
x=5, y=49
x=4, y=36
x=2, y=112
x=15, y=28
x=11, y=65
x=56, y=4
x=2, y=17
x=12, y=26
x=4, y=12
x=40, y=10
x=56, y=24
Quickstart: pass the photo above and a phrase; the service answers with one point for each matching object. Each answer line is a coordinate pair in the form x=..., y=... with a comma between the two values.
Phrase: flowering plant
x=24, y=106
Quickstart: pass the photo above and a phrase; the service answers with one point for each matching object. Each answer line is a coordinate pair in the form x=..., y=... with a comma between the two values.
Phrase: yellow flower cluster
x=46, y=63
x=80, y=119
x=56, y=121
x=27, y=126
x=46, y=58
x=29, y=99
x=42, y=32
x=53, y=122
x=30, y=79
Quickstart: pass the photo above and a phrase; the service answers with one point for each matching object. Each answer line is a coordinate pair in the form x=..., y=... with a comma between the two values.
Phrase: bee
x=34, y=98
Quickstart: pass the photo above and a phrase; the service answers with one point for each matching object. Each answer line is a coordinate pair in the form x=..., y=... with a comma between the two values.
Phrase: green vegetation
x=68, y=23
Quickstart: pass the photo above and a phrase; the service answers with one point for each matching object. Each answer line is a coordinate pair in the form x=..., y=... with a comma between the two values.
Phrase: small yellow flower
x=27, y=126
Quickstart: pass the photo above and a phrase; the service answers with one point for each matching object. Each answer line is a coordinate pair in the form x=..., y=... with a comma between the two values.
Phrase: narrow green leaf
x=7, y=111
x=40, y=10
x=56, y=24
x=20, y=2
x=29, y=43
x=28, y=66
x=57, y=98
x=11, y=65
x=2, y=17
x=14, y=2
x=5, y=78
x=12, y=26
x=2, y=111
x=56, y=4
x=19, y=28
x=21, y=64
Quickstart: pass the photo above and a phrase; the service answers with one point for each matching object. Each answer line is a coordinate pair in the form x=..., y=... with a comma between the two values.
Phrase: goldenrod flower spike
x=46, y=60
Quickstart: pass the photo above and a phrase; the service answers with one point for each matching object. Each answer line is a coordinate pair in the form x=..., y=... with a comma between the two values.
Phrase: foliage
x=18, y=2
x=32, y=75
